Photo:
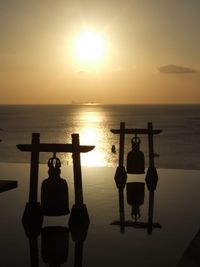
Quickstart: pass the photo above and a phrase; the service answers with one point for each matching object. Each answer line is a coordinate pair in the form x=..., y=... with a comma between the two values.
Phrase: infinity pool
x=113, y=237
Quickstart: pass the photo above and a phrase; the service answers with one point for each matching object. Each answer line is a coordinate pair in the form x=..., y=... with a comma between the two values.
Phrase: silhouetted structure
x=6, y=185
x=33, y=214
x=135, y=198
x=121, y=175
x=135, y=165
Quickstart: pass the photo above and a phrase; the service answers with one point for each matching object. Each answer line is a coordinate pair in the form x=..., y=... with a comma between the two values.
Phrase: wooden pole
x=121, y=209
x=150, y=139
x=33, y=190
x=77, y=171
x=150, y=212
x=121, y=144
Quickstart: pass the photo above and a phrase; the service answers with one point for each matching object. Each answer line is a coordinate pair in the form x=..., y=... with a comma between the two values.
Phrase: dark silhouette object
x=79, y=214
x=79, y=234
x=122, y=131
x=113, y=149
x=55, y=245
x=151, y=182
x=6, y=185
x=151, y=176
x=135, y=197
x=151, y=179
x=191, y=256
x=32, y=219
x=135, y=158
x=54, y=191
x=79, y=210
x=120, y=175
x=34, y=257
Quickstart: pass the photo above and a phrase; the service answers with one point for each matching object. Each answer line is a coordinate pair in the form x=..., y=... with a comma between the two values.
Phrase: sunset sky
x=150, y=51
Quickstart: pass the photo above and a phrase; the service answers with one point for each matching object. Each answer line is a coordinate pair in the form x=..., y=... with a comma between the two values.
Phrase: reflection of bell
x=135, y=158
x=135, y=197
x=55, y=244
x=54, y=191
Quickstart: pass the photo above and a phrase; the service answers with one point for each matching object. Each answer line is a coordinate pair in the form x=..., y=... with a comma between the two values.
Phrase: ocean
x=178, y=145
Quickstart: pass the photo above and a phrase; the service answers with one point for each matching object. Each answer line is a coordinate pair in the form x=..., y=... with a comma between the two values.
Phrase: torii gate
x=79, y=210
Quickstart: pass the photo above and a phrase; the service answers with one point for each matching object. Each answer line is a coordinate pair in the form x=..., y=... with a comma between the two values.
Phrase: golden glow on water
x=92, y=136
x=89, y=117
x=92, y=131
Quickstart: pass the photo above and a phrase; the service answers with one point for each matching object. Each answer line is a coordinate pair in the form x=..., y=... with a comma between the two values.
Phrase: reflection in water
x=55, y=245
x=90, y=117
x=92, y=131
x=91, y=136
x=135, y=198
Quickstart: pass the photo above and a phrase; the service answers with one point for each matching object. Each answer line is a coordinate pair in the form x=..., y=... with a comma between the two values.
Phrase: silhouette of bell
x=55, y=245
x=135, y=158
x=54, y=191
x=135, y=197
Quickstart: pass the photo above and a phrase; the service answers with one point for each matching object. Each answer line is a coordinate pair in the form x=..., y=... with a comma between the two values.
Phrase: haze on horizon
x=152, y=52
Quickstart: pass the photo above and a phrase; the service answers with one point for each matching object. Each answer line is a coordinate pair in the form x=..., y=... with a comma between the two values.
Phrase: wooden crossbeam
x=42, y=147
x=135, y=131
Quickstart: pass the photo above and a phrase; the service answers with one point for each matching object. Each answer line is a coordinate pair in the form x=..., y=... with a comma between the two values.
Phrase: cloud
x=174, y=69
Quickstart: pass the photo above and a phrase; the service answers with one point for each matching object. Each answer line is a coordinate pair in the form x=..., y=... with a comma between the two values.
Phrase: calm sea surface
x=178, y=145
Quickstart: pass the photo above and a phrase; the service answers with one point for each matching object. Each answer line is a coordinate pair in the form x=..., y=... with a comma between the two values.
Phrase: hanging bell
x=54, y=191
x=135, y=158
x=135, y=197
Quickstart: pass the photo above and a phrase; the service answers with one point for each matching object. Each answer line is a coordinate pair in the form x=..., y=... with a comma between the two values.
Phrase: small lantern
x=135, y=158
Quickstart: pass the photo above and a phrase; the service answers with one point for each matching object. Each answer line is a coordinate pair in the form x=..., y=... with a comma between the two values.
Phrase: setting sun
x=89, y=46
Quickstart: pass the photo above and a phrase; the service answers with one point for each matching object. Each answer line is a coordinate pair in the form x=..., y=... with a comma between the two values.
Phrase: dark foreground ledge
x=191, y=256
x=6, y=185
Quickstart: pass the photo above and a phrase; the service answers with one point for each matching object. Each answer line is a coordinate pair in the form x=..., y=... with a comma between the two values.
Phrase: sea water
x=178, y=145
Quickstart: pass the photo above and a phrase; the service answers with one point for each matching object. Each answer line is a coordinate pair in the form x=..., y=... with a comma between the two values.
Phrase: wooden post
x=120, y=175
x=78, y=189
x=121, y=144
x=79, y=214
x=150, y=139
x=33, y=190
x=121, y=209
x=33, y=244
x=150, y=211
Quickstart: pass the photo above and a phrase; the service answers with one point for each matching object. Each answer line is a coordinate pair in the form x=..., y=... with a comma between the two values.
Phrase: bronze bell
x=54, y=191
x=135, y=197
x=135, y=158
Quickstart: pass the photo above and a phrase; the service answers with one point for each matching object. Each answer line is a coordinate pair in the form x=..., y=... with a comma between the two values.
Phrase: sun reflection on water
x=92, y=131
x=91, y=134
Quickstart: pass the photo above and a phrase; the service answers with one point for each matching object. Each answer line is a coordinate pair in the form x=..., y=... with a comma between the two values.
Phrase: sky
x=151, y=55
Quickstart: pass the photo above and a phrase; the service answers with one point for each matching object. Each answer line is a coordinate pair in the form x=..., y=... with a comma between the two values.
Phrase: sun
x=90, y=47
